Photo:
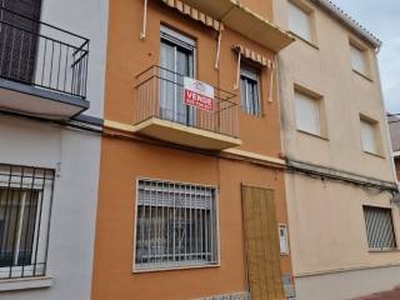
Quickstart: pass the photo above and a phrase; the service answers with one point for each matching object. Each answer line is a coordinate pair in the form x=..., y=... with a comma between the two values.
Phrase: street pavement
x=390, y=295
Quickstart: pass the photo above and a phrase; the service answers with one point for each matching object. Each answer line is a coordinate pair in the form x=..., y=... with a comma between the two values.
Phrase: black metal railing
x=26, y=195
x=160, y=94
x=39, y=54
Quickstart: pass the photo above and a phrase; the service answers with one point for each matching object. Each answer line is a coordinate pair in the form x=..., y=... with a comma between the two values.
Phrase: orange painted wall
x=128, y=56
x=261, y=7
x=123, y=161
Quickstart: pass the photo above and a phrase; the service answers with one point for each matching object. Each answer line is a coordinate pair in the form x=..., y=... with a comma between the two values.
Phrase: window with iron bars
x=176, y=225
x=25, y=205
x=380, y=230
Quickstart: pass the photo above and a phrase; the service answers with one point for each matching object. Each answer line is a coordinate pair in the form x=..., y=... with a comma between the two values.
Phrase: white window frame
x=190, y=264
x=294, y=7
x=318, y=113
x=46, y=206
x=250, y=73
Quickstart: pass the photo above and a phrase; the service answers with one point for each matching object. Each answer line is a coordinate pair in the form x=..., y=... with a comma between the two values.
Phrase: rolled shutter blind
x=262, y=244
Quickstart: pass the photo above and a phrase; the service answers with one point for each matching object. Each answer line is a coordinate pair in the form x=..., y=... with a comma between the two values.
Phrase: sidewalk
x=391, y=295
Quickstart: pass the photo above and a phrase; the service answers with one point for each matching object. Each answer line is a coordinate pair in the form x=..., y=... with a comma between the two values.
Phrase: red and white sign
x=198, y=94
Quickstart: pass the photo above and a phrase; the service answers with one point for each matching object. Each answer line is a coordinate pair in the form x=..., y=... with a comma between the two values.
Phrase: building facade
x=191, y=198
x=51, y=101
x=214, y=149
x=344, y=225
x=394, y=127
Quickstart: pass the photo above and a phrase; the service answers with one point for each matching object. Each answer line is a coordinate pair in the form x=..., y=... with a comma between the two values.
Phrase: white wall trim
x=16, y=284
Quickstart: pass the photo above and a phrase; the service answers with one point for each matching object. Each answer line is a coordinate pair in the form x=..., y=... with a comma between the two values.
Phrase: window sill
x=384, y=250
x=313, y=135
x=311, y=44
x=367, y=77
x=176, y=268
x=15, y=284
x=375, y=154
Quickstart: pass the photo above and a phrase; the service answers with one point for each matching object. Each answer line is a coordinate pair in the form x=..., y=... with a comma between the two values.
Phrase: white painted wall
x=87, y=18
x=72, y=229
x=24, y=142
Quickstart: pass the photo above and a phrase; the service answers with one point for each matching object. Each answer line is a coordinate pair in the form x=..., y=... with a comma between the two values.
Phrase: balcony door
x=177, y=61
x=19, y=38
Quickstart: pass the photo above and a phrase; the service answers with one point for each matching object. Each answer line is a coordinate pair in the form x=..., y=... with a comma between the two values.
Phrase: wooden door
x=262, y=244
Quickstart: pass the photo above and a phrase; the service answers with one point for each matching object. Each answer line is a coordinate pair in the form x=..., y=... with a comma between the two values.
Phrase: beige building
x=394, y=127
x=344, y=227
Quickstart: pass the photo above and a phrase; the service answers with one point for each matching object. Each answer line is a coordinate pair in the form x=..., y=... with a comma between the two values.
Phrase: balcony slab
x=178, y=134
x=38, y=102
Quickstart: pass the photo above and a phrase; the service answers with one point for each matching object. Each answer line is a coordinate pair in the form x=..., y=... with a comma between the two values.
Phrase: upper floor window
x=177, y=61
x=308, y=113
x=380, y=230
x=299, y=22
x=250, y=89
x=359, y=60
x=176, y=225
x=369, y=135
x=25, y=203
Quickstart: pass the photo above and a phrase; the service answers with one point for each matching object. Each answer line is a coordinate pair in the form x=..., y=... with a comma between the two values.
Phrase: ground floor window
x=380, y=230
x=176, y=225
x=25, y=204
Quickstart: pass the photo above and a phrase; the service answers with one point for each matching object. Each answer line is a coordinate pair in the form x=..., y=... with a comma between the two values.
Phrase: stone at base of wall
x=347, y=285
x=234, y=296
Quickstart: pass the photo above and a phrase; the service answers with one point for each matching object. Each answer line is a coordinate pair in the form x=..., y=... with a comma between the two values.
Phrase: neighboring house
x=166, y=149
x=344, y=227
x=51, y=101
x=192, y=199
x=394, y=127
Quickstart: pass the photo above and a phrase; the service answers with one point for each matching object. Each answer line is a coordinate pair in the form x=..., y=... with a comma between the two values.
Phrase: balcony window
x=176, y=225
x=25, y=203
x=250, y=89
x=177, y=61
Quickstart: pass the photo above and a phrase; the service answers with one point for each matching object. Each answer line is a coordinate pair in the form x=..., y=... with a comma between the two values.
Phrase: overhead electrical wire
x=365, y=182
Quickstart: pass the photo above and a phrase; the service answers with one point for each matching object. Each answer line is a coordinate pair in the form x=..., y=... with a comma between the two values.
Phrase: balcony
x=162, y=114
x=43, y=69
x=244, y=21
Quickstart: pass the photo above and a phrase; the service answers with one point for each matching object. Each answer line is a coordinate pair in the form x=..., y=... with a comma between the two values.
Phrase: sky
x=382, y=18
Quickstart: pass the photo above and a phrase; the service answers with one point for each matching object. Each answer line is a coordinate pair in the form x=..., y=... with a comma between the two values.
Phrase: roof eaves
x=348, y=21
